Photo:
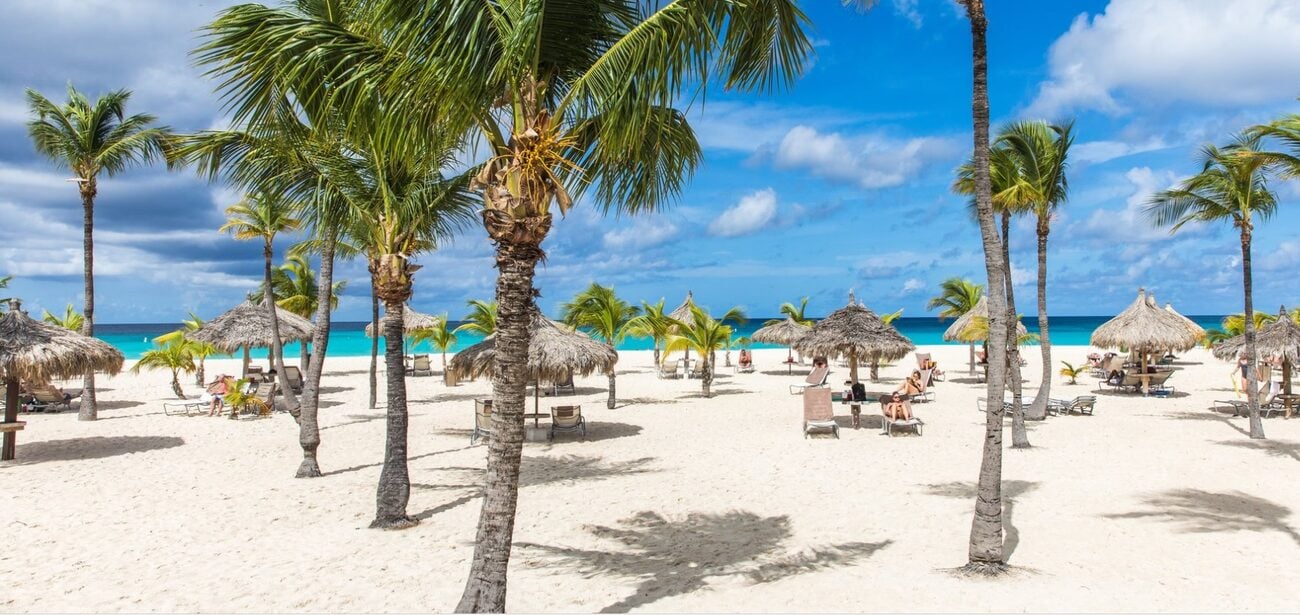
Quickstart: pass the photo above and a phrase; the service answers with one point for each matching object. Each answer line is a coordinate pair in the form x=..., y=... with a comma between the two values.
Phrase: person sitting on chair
x=217, y=390
x=894, y=407
x=746, y=360
x=911, y=386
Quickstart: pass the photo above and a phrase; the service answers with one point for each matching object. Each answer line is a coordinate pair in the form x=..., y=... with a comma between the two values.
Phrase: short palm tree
x=1071, y=371
x=4, y=283
x=481, y=319
x=1232, y=186
x=600, y=311
x=262, y=216
x=89, y=138
x=653, y=323
x=797, y=312
x=71, y=319
x=176, y=355
x=440, y=337
x=705, y=335
x=200, y=350
x=956, y=297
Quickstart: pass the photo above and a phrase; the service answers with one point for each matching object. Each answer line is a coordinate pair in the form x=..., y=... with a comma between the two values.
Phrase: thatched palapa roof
x=412, y=321
x=784, y=333
x=961, y=330
x=1144, y=327
x=34, y=351
x=553, y=353
x=1191, y=325
x=248, y=325
x=1280, y=338
x=854, y=329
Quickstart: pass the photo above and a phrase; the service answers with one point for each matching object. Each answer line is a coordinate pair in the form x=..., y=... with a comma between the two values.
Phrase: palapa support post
x=11, y=415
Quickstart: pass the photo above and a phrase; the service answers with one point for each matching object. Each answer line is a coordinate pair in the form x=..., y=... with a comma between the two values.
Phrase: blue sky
x=841, y=183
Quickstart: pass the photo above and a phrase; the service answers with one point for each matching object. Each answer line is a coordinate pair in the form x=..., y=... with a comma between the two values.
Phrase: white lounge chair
x=815, y=379
x=567, y=419
x=818, y=412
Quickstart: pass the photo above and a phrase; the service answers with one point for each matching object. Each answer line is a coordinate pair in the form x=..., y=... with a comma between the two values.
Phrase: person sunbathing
x=896, y=408
x=746, y=360
x=216, y=391
x=912, y=385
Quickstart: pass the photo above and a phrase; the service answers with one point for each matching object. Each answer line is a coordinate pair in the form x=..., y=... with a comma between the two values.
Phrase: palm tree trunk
x=198, y=375
x=1252, y=388
x=176, y=385
x=707, y=377
x=971, y=359
x=244, y=368
x=613, y=398
x=10, y=438
x=277, y=347
x=875, y=367
x=853, y=366
x=657, y=354
x=394, y=480
x=308, y=423
x=985, y=551
x=485, y=590
x=89, y=410
x=1038, y=409
x=1019, y=436
x=374, y=344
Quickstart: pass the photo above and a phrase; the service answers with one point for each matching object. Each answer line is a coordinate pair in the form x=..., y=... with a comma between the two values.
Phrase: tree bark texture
x=1019, y=436
x=308, y=417
x=89, y=409
x=613, y=397
x=1252, y=355
x=277, y=347
x=1038, y=409
x=485, y=590
x=394, y=480
x=374, y=344
x=985, y=549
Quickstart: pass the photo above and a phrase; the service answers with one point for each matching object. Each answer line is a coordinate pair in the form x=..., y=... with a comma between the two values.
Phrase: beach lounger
x=567, y=419
x=926, y=394
x=49, y=398
x=818, y=412
x=262, y=400
x=293, y=378
x=816, y=379
x=566, y=385
x=482, y=420
x=1158, y=384
x=420, y=366
x=888, y=425
x=982, y=404
x=669, y=371
x=183, y=407
x=1082, y=404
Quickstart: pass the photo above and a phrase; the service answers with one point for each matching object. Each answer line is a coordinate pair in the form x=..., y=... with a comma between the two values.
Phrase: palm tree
x=1041, y=151
x=89, y=138
x=441, y=337
x=653, y=323
x=599, y=310
x=705, y=336
x=1231, y=186
x=176, y=355
x=1233, y=325
x=4, y=283
x=566, y=94
x=956, y=297
x=294, y=286
x=200, y=350
x=70, y=320
x=796, y=312
x=481, y=319
x=264, y=215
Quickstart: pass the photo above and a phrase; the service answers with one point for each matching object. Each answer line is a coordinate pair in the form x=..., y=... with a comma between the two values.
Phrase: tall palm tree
x=705, y=335
x=175, y=355
x=1231, y=186
x=89, y=138
x=200, y=350
x=70, y=320
x=441, y=337
x=295, y=288
x=956, y=297
x=567, y=95
x=797, y=312
x=481, y=319
x=1041, y=151
x=603, y=313
x=653, y=323
x=263, y=215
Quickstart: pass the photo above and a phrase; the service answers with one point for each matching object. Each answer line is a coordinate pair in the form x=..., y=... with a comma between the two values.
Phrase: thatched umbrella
x=248, y=325
x=683, y=313
x=856, y=332
x=785, y=333
x=1146, y=329
x=37, y=352
x=967, y=328
x=1280, y=338
x=412, y=321
x=1191, y=325
x=554, y=353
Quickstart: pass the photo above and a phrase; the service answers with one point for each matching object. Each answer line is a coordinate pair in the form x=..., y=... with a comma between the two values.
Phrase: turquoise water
x=349, y=338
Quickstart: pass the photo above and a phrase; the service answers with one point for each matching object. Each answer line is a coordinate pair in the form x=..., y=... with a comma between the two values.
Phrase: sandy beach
x=674, y=502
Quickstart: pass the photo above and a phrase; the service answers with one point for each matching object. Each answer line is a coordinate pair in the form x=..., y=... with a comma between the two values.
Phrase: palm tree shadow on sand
x=671, y=557
x=1200, y=512
x=1011, y=489
x=94, y=447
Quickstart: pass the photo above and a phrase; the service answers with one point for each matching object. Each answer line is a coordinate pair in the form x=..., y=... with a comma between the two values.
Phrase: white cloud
x=1130, y=224
x=912, y=285
x=871, y=161
x=907, y=10
x=1102, y=151
x=641, y=234
x=753, y=212
x=1217, y=53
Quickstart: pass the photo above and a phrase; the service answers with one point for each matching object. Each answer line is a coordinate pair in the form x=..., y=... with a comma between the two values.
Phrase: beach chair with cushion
x=420, y=366
x=565, y=385
x=49, y=398
x=888, y=425
x=293, y=378
x=669, y=371
x=818, y=412
x=261, y=400
x=815, y=379
x=482, y=420
x=1158, y=384
x=567, y=419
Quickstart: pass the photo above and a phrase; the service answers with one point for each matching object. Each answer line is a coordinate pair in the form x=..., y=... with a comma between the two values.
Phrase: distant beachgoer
x=216, y=392
x=746, y=360
x=895, y=409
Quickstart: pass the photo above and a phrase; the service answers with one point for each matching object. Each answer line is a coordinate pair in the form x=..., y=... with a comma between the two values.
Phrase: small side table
x=535, y=432
x=855, y=408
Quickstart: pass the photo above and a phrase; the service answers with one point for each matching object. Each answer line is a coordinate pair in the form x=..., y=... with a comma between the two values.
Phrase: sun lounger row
x=564, y=419
x=819, y=415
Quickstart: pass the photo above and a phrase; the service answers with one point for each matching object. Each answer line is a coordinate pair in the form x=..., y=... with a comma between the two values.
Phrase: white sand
x=674, y=503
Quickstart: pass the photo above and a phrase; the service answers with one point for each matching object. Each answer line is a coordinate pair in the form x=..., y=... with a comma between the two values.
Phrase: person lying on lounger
x=896, y=409
x=911, y=386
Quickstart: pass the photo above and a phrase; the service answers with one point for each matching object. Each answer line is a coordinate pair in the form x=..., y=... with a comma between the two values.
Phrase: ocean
x=349, y=338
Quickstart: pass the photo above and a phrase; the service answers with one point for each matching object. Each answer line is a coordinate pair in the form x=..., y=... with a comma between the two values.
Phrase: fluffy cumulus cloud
x=1166, y=51
x=641, y=234
x=869, y=160
x=1130, y=224
x=913, y=285
x=751, y=214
